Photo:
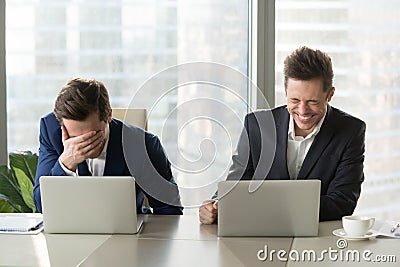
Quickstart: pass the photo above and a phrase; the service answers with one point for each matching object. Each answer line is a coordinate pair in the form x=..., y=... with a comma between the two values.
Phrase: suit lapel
x=282, y=126
x=322, y=139
x=114, y=157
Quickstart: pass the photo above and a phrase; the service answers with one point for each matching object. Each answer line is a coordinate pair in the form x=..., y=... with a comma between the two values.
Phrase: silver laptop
x=268, y=208
x=89, y=204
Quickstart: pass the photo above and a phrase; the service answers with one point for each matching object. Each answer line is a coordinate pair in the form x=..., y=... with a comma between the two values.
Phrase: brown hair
x=306, y=64
x=81, y=97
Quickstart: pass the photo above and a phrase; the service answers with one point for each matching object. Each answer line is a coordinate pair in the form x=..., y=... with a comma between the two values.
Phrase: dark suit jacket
x=147, y=162
x=336, y=156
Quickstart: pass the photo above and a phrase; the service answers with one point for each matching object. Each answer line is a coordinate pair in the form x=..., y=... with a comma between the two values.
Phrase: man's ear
x=331, y=93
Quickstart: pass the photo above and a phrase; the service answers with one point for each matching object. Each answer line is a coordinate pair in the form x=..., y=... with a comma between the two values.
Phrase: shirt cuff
x=67, y=171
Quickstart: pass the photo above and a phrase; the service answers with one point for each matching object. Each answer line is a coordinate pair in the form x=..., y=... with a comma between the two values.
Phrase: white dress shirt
x=96, y=165
x=298, y=146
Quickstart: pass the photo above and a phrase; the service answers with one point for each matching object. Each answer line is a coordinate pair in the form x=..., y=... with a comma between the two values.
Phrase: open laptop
x=89, y=204
x=275, y=208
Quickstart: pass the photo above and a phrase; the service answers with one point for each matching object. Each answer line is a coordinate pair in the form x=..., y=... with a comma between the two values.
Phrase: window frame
x=3, y=95
x=262, y=52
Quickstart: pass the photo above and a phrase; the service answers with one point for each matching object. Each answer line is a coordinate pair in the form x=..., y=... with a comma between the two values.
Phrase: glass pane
x=362, y=39
x=123, y=44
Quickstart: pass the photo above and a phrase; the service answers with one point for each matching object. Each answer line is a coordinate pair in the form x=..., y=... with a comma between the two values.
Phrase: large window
x=362, y=38
x=123, y=44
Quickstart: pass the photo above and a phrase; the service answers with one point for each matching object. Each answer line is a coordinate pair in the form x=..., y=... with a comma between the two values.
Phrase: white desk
x=47, y=249
x=174, y=241
x=181, y=241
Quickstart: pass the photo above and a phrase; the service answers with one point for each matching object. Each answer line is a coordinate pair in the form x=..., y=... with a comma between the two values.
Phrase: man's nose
x=303, y=108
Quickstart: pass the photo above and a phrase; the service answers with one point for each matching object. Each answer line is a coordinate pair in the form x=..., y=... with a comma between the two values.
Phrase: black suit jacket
x=140, y=154
x=336, y=157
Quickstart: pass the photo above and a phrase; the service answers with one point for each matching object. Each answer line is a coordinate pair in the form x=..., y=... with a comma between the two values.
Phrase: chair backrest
x=135, y=116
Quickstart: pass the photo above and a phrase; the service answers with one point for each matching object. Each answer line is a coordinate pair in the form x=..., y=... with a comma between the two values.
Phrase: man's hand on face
x=80, y=148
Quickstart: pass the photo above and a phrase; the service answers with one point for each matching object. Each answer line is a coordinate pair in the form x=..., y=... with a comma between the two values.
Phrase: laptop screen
x=272, y=208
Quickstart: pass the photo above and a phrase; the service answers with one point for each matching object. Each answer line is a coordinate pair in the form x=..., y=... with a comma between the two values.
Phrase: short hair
x=81, y=97
x=306, y=64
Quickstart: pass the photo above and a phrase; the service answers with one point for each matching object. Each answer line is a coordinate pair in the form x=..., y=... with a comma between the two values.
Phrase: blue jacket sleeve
x=49, y=153
x=162, y=165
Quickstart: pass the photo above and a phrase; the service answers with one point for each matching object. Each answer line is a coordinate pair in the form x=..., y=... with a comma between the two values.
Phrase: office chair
x=134, y=116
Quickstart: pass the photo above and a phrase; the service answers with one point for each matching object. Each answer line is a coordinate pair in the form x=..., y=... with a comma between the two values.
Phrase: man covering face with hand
x=80, y=138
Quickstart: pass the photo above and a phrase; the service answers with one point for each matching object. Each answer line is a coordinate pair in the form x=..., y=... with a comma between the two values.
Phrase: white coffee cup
x=357, y=226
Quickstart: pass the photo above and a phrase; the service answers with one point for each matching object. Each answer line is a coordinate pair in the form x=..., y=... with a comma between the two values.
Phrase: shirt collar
x=104, y=152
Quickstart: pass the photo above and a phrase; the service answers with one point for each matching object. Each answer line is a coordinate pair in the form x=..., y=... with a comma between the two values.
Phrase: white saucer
x=341, y=233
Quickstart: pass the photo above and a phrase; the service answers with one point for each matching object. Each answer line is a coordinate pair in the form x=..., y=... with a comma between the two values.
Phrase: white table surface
x=178, y=241
x=182, y=241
